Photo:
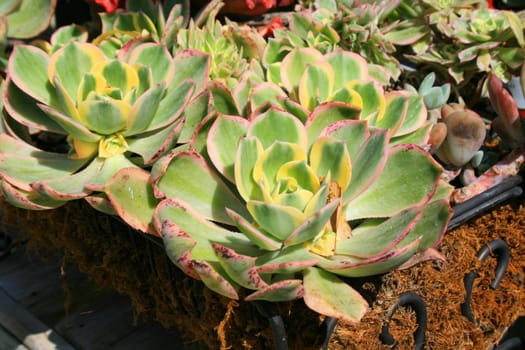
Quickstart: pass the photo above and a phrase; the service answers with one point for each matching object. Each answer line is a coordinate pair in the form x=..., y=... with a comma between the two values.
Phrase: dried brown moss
x=115, y=256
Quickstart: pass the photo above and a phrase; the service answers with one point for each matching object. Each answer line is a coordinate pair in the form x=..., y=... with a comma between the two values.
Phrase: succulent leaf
x=223, y=140
x=279, y=291
x=176, y=180
x=400, y=185
x=28, y=70
x=330, y=296
x=131, y=195
x=240, y=268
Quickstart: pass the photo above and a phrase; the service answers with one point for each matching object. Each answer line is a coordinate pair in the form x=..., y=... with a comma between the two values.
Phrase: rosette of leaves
x=283, y=208
x=234, y=49
x=359, y=27
x=306, y=79
x=73, y=118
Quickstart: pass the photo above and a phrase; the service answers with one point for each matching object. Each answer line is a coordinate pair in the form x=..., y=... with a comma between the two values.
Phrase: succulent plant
x=311, y=79
x=233, y=48
x=282, y=210
x=465, y=134
x=104, y=113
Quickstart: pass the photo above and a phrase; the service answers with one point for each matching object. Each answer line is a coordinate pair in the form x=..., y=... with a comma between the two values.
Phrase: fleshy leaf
x=172, y=105
x=278, y=220
x=131, y=194
x=349, y=66
x=416, y=115
x=408, y=178
x=312, y=225
x=223, y=141
x=367, y=164
x=143, y=110
x=286, y=260
x=155, y=56
x=194, y=65
x=330, y=296
x=376, y=241
x=103, y=116
x=255, y=235
x=329, y=156
x=173, y=214
x=214, y=280
x=71, y=62
x=249, y=151
x=74, y=128
x=326, y=114
x=22, y=108
x=72, y=185
x=279, y=291
x=30, y=200
x=30, y=18
x=395, y=113
x=265, y=93
x=289, y=129
x=294, y=65
x=372, y=95
x=240, y=268
x=22, y=170
x=432, y=225
x=352, y=132
x=179, y=172
x=316, y=84
x=151, y=146
x=272, y=159
x=374, y=266
x=27, y=68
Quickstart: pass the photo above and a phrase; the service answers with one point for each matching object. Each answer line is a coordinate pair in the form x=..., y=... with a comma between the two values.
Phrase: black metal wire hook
x=511, y=344
x=418, y=305
x=328, y=327
x=280, y=337
x=502, y=252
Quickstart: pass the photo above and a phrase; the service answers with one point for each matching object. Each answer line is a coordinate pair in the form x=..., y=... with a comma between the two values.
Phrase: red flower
x=110, y=6
x=267, y=30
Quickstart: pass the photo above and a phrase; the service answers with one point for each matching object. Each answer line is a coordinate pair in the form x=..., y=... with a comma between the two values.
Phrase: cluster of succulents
x=271, y=169
x=472, y=40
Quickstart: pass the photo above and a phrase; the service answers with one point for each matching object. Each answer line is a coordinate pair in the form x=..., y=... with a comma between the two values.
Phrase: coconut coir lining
x=113, y=255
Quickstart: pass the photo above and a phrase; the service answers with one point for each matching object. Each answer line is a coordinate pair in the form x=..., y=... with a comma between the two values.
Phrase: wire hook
x=418, y=305
x=502, y=252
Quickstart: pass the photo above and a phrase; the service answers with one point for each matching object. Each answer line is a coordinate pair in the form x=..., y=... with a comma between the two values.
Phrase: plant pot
x=114, y=255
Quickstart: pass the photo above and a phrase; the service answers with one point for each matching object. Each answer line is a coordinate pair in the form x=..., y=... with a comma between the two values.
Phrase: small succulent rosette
x=282, y=208
x=74, y=117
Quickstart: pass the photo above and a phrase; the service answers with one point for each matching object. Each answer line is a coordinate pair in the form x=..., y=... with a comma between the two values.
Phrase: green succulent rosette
x=107, y=113
x=282, y=208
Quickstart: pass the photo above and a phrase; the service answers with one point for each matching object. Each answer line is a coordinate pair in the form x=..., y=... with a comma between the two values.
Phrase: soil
x=135, y=265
